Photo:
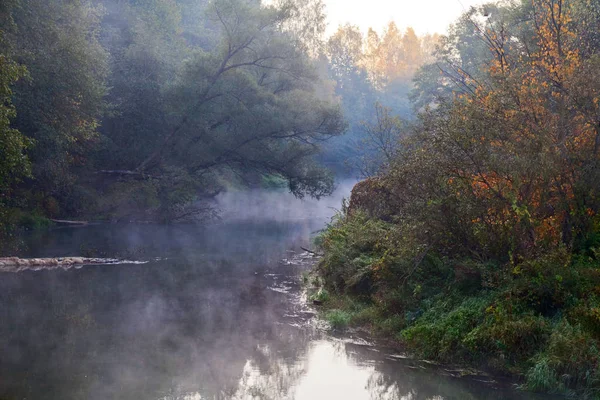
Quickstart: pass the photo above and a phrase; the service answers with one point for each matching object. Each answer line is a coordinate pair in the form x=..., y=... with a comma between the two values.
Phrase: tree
x=60, y=106
x=381, y=141
x=344, y=50
x=508, y=166
x=462, y=57
x=238, y=106
x=14, y=164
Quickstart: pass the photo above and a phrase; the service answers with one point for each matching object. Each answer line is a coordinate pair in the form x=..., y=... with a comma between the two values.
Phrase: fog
x=281, y=205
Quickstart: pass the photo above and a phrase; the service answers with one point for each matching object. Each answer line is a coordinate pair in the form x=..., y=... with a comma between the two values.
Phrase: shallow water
x=216, y=313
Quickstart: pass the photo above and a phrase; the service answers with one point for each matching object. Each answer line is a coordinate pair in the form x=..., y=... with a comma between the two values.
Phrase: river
x=214, y=312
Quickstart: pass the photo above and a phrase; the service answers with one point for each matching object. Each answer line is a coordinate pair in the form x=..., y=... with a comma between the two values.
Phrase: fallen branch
x=67, y=222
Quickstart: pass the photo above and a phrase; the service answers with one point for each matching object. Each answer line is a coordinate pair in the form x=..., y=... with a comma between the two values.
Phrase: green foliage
x=506, y=318
x=14, y=164
x=364, y=315
x=507, y=340
x=33, y=221
x=148, y=109
x=351, y=250
x=440, y=334
x=338, y=319
x=273, y=182
x=55, y=111
x=569, y=361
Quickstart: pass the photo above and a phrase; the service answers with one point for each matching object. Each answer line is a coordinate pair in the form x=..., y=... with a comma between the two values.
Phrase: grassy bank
x=538, y=320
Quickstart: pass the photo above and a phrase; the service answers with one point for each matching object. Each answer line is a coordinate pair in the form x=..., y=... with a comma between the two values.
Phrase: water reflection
x=216, y=314
x=330, y=369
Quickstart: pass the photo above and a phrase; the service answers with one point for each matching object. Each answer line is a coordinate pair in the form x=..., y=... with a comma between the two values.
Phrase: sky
x=425, y=16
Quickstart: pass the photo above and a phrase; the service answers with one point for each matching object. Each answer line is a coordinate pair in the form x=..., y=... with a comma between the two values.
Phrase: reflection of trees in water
x=410, y=380
x=270, y=376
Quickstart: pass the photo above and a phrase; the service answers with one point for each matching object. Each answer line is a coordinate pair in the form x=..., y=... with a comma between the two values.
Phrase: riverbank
x=537, y=322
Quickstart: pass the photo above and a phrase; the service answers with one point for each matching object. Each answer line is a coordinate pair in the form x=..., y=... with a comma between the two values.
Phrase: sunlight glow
x=425, y=16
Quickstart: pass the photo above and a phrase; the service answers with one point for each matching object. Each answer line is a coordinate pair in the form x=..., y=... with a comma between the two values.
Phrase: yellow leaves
x=558, y=55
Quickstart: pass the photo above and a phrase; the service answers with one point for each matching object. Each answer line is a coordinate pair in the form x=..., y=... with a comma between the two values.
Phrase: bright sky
x=425, y=16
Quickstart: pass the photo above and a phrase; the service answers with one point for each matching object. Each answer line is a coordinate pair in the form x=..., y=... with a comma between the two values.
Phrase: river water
x=214, y=312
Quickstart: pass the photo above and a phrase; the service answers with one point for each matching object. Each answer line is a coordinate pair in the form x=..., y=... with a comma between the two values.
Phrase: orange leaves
x=548, y=230
x=558, y=54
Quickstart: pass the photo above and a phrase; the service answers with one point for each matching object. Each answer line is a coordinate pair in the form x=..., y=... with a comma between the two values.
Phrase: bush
x=338, y=319
x=537, y=316
x=546, y=284
x=569, y=361
x=440, y=335
x=511, y=338
x=34, y=221
x=365, y=316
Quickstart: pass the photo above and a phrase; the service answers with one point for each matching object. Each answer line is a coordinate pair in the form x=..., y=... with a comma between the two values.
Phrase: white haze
x=280, y=205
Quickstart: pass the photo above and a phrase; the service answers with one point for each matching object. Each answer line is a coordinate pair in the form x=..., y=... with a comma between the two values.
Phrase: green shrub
x=367, y=315
x=570, y=361
x=33, y=221
x=439, y=334
x=512, y=338
x=542, y=378
x=391, y=326
x=338, y=319
x=546, y=284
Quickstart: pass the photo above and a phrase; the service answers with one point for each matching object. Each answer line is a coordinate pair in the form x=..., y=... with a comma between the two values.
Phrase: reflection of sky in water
x=331, y=374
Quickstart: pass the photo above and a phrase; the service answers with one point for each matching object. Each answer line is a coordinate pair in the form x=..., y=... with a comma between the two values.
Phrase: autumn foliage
x=513, y=156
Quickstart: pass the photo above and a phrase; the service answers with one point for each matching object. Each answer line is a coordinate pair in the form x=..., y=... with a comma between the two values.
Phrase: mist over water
x=217, y=313
x=280, y=205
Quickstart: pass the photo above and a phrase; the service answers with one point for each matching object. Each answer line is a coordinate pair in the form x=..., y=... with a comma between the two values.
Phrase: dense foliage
x=478, y=242
x=141, y=110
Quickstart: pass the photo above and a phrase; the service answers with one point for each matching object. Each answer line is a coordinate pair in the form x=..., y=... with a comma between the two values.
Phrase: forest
x=144, y=111
x=473, y=236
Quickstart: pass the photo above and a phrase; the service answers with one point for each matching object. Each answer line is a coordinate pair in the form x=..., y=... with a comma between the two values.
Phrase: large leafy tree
x=13, y=161
x=223, y=98
x=60, y=105
x=14, y=164
x=146, y=107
